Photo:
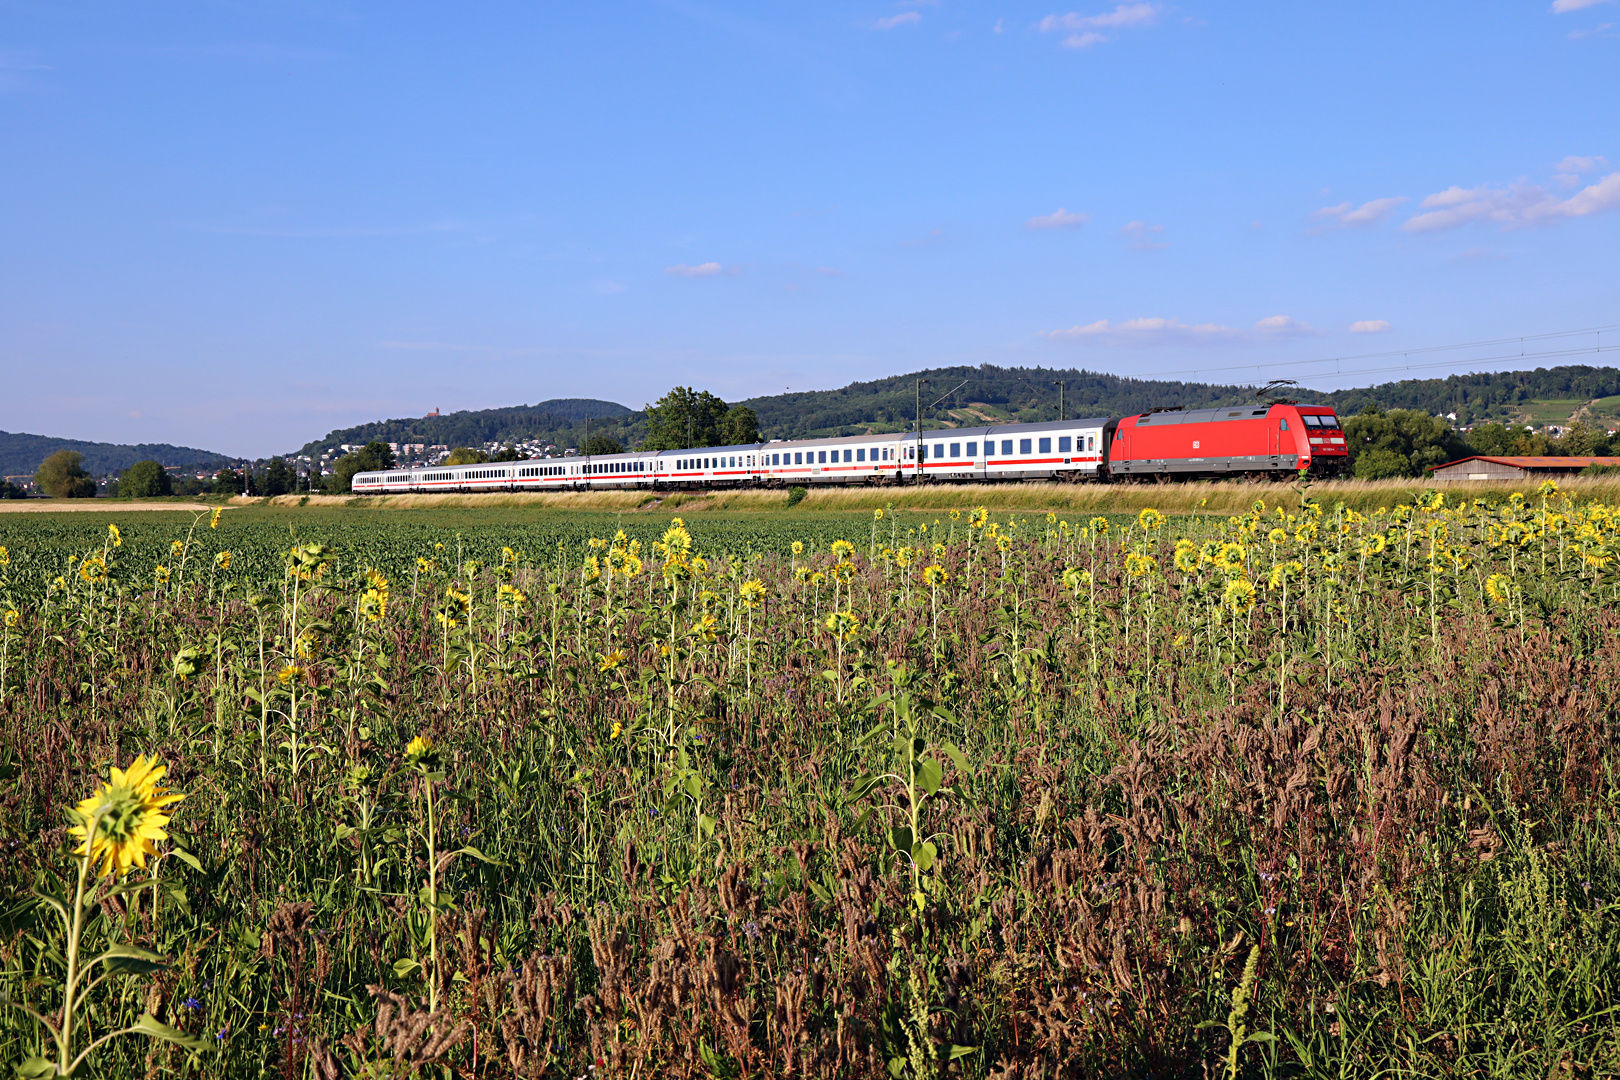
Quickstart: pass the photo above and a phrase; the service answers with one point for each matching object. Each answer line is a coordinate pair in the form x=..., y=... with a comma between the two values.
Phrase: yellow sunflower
x=127, y=816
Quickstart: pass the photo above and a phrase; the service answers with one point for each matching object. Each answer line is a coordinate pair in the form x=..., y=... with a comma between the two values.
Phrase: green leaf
x=1261, y=1036
x=925, y=855
x=129, y=960
x=693, y=784
x=56, y=902
x=404, y=966
x=860, y=822
x=151, y=1025
x=960, y=1052
x=957, y=759
x=706, y=825
x=929, y=774
x=821, y=894
x=900, y=838
x=187, y=857
x=479, y=855
x=36, y=1068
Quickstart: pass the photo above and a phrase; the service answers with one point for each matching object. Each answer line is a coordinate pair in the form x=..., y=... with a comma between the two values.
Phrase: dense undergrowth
x=1307, y=794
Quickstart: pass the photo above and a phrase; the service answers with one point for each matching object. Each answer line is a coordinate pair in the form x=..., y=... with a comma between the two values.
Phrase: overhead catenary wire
x=1503, y=357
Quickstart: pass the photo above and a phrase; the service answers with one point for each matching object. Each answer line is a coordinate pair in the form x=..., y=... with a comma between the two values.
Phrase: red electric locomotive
x=1269, y=438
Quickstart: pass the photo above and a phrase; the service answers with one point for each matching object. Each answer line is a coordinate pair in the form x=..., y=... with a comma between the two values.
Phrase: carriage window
x=956, y=449
x=1311, y=419
x=860, y=455
x=798, y=458
x=849, y=455
x=1046, y=446
x=1283, y=425
x=1063, y=444
x=973, y=449
x=1091, y=442
x=1006, y=448
x=1023, y=446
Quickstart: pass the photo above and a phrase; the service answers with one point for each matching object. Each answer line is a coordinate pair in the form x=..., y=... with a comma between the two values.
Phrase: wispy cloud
x=1369, y=326
x=1058, y=219
x=905, y=18
x=1144, y=237
x=1085, y=31
x=708, y=269
x=1144, y=331
x=1562, y=7
x=14, y=68
x=1569, y=171
x=1514, y=206
x=1283, y=326
x=1349, y=216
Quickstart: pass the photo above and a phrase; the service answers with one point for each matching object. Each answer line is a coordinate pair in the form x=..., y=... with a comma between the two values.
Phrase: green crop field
x=1550, y=410
x=1295, y=782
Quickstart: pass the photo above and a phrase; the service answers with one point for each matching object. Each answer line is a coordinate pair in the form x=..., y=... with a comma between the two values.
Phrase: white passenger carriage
x=1067, y=449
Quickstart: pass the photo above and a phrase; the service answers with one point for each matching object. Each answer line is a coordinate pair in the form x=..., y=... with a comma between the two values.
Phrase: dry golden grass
x=1213, y=497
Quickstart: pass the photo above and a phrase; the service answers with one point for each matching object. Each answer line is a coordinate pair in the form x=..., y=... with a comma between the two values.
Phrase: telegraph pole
x=919, y=450
x=1061, y=414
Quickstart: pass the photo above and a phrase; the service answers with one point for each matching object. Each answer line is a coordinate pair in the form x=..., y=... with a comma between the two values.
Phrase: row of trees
x=63, y=476
x=1388, y=444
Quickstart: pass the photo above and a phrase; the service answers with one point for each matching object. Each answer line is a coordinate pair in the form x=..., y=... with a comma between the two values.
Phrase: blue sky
x=239, y=225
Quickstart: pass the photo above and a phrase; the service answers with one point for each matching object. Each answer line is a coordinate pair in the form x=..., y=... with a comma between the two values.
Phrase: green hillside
x=21, y=454
x=561, y=420
x=961, y=396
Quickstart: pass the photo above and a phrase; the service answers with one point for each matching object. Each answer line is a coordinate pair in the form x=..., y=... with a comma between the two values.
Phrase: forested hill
x=561, y=420
x=21, y=454
x=994, y=393
x=1502, y=395
x=989, y=394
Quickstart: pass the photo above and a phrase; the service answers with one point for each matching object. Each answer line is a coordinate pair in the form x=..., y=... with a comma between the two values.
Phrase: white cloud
x=1349, y=216
x=1143, y=331
x=1283, y=325
x=708, y=269
x=1369, y=326
x=1561, y=7
x=1512, y=207
x=1086, y=30
x=905, y=18
x=1143, y=236
x=1059, y=219
x=1578, y=165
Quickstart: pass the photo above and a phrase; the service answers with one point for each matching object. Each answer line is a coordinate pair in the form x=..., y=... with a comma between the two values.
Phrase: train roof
x=1228, y=412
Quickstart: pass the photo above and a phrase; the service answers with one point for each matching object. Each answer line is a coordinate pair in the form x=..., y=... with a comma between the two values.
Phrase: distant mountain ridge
x=21, y=454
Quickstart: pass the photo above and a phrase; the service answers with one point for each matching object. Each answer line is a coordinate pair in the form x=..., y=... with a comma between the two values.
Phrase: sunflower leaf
x=151, y=1025
x=130, y=960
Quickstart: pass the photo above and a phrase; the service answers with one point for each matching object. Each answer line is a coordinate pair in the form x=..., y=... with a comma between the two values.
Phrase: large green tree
x=62, y=476
x=370, y=457
x=1423, y=441
x=466, y=455
x=741, y=427
x=145, y=480
x=601, y=443
x=278, y=478
x=685, y=418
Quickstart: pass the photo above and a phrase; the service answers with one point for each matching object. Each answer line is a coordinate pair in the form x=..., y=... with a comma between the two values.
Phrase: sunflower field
x=1292, y=793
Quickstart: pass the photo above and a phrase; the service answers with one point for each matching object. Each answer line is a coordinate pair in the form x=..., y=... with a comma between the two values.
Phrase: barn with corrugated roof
x=1516, y=468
